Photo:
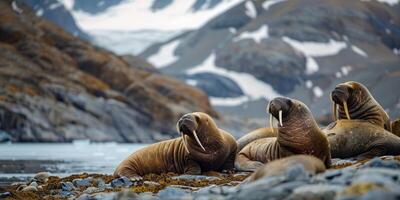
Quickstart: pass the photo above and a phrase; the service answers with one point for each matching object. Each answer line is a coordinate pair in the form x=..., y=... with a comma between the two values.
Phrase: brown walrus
x=362, y=128
x=278, y=167
x=396, y=127
x=297, y=133
x=202, y=147
x=255, y=135
x=356, y=102
x=351, y=138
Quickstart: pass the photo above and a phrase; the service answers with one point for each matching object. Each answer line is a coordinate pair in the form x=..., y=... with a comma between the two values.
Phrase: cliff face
x=56, y=87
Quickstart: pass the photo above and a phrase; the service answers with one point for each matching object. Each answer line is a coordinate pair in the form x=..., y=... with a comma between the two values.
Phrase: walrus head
x=195, y=125
x=356, y=102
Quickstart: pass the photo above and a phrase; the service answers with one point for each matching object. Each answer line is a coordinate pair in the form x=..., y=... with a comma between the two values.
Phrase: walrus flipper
x=192, y=168
x=242, y=163
x=373, y=152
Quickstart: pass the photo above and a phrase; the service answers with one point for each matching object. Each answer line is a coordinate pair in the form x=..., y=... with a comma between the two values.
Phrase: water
x=62, y=159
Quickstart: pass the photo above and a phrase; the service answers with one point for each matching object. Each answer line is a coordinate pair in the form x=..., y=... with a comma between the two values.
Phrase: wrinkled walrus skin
x=358, y=138
x=298, y=134
x=172, y=155
x=360, y=103
x=255, y=135
x=278, y=167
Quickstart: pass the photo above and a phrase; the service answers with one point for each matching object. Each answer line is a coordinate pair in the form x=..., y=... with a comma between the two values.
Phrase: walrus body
x=362, y=128
x=351, y=138
x=396, y=127
x=255, y=135
x=278, y=167
x=298, y=133
x=202, y=147
x=356, y=102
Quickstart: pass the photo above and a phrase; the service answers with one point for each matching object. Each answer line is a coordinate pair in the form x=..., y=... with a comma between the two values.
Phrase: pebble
x=83, y=182
x=174, y=193
x=67, y=186
x=91, y=190
x=195, y=178
x=121, y=182
x=42, y=177
x=29, y=189
x=5, y=194
x=378, y=162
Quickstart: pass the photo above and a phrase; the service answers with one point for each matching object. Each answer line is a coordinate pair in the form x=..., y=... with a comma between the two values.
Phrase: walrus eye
x=197, y=118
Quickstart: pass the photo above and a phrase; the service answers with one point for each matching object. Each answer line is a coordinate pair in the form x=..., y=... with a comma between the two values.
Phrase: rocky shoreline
x=347, y=179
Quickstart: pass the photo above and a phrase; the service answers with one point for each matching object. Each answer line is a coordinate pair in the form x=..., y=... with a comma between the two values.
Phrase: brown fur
x=361, y=104
x=299, y=134
x=350, y=138
x=278, y=167
x=255, y=135
x=171, y=155
x=396, y=127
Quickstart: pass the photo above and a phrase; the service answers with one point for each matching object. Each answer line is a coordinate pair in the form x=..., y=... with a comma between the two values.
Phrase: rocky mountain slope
x=295, y=48
x=57, y=87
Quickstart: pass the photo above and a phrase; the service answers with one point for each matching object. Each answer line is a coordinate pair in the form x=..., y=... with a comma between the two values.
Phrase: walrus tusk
x=271, y=124
x=184, y=142
x=198, y=141
x=334, y=111
x=346, y=110
x=280, y=117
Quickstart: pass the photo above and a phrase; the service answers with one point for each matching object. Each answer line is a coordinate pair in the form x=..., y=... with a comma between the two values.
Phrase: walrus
x=202, y=147
x=361, y=139
x=255, y=135
x=352, y=100
x=278, y=167
x=297, y=133
x=396, y=127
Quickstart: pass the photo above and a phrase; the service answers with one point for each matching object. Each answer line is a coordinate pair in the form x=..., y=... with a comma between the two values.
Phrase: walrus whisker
x=280, y=117
x=198, y=141
x=346, y=110
x=184, y=143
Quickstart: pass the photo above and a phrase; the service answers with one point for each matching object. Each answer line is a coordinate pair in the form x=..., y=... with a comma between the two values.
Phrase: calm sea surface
x=26, y=159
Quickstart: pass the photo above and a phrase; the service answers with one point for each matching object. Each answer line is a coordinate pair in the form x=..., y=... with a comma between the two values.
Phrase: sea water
x=63, y=159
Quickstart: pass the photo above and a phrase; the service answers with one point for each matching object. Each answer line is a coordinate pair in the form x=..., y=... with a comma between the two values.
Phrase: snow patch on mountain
x=359, y=51
x=311, y=65
x=165, y=55
x=251, y=10
x=316, y=49
x=236, y=101
x=252, y=88
x=138, y=15
x=267, y=4
x=256, y=35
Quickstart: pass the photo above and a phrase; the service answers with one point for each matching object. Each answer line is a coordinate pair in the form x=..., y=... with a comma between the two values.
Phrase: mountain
x=295, y=48
x=55, y=87
x=56, y=12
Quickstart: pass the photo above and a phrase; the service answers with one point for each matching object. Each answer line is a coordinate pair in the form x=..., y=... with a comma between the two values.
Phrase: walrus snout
x=340, y=94
x=280, y=104
x=187, y=124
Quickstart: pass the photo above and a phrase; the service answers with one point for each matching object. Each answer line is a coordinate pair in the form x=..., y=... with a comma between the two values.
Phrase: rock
x=316, y=191
x=173, y=193
x=100, y=183
x=215, y=189
x=42, y=177
x=67, y=186
x=378, y=162
x=215, y=85
x=5, y=194
x=83, y=182
x=195, y=178
x=111, y=98
x=121, y=182
x=65, y=194
x=91, y=190
x=29, y=189
x=34, y=184
x=357, y=190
